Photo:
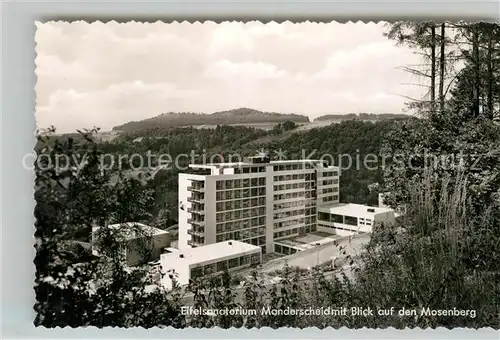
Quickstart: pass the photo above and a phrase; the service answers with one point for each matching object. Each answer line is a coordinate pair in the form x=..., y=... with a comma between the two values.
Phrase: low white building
x=349, y=218
x=294, y=244
x=400, y=209
x=191, y=263
x=137, y=241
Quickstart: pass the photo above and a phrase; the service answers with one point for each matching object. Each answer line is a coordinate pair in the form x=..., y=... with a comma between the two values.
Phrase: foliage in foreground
x=439, y=256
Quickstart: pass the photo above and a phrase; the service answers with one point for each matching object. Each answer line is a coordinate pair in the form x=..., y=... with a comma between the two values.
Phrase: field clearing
x=267, y=126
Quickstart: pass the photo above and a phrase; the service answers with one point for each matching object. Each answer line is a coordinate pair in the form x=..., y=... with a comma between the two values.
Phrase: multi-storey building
x=256, y=201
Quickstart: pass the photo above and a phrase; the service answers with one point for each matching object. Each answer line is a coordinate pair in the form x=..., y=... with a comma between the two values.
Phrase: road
x=307, y=259
x=321, y=254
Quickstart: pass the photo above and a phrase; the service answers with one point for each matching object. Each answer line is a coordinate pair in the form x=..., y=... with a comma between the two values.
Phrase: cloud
x=361, y=59
x=247, y=69
x=105, y=74
x=111, y=106
x=52, y=66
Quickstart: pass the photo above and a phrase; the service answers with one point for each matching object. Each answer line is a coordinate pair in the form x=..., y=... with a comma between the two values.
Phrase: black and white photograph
x=249, y=175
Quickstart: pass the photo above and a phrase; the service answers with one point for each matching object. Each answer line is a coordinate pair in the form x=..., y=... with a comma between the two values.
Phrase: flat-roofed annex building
x=207, y=260
x=398, y=211
x=349, y=218
x=257, y=201
x=137, y=241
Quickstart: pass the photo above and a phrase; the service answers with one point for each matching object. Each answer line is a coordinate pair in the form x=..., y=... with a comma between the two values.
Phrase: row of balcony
x=196, y=232
x=199, y=223
x=193, y=243
x=196, y=211
x=196, y=200
x=196, y=188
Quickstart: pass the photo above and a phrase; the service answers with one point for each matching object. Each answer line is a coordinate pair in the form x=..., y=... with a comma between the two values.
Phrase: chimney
x=181, y=256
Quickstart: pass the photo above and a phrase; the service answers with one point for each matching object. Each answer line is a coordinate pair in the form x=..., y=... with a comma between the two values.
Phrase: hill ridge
x=240, y=115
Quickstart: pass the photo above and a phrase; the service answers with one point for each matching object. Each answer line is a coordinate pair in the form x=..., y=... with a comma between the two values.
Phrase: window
x=209, y=269
x=255, y=258
x=232, y=263
x=350, y=220
x=244, y=260
x=221, y=266
x=323, y=216
x=218, y=227
x=196, y=272
x=337, y=218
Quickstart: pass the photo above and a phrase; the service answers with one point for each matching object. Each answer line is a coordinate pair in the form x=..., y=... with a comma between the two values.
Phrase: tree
x=421, y=36
x=71, y=199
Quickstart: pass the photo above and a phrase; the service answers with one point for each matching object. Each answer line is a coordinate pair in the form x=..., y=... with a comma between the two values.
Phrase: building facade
x=256, y=201
x=208, y=260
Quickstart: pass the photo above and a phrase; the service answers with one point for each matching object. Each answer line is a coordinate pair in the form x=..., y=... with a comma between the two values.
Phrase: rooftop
x=211, y=252
x=309, y=241
x=233, y=164
x=351, y=209
x=134, y=229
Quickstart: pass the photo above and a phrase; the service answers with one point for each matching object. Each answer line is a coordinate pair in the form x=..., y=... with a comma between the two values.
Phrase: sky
x=106, y=74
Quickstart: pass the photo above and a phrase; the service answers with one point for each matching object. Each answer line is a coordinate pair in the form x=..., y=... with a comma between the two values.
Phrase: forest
x=442, y=254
